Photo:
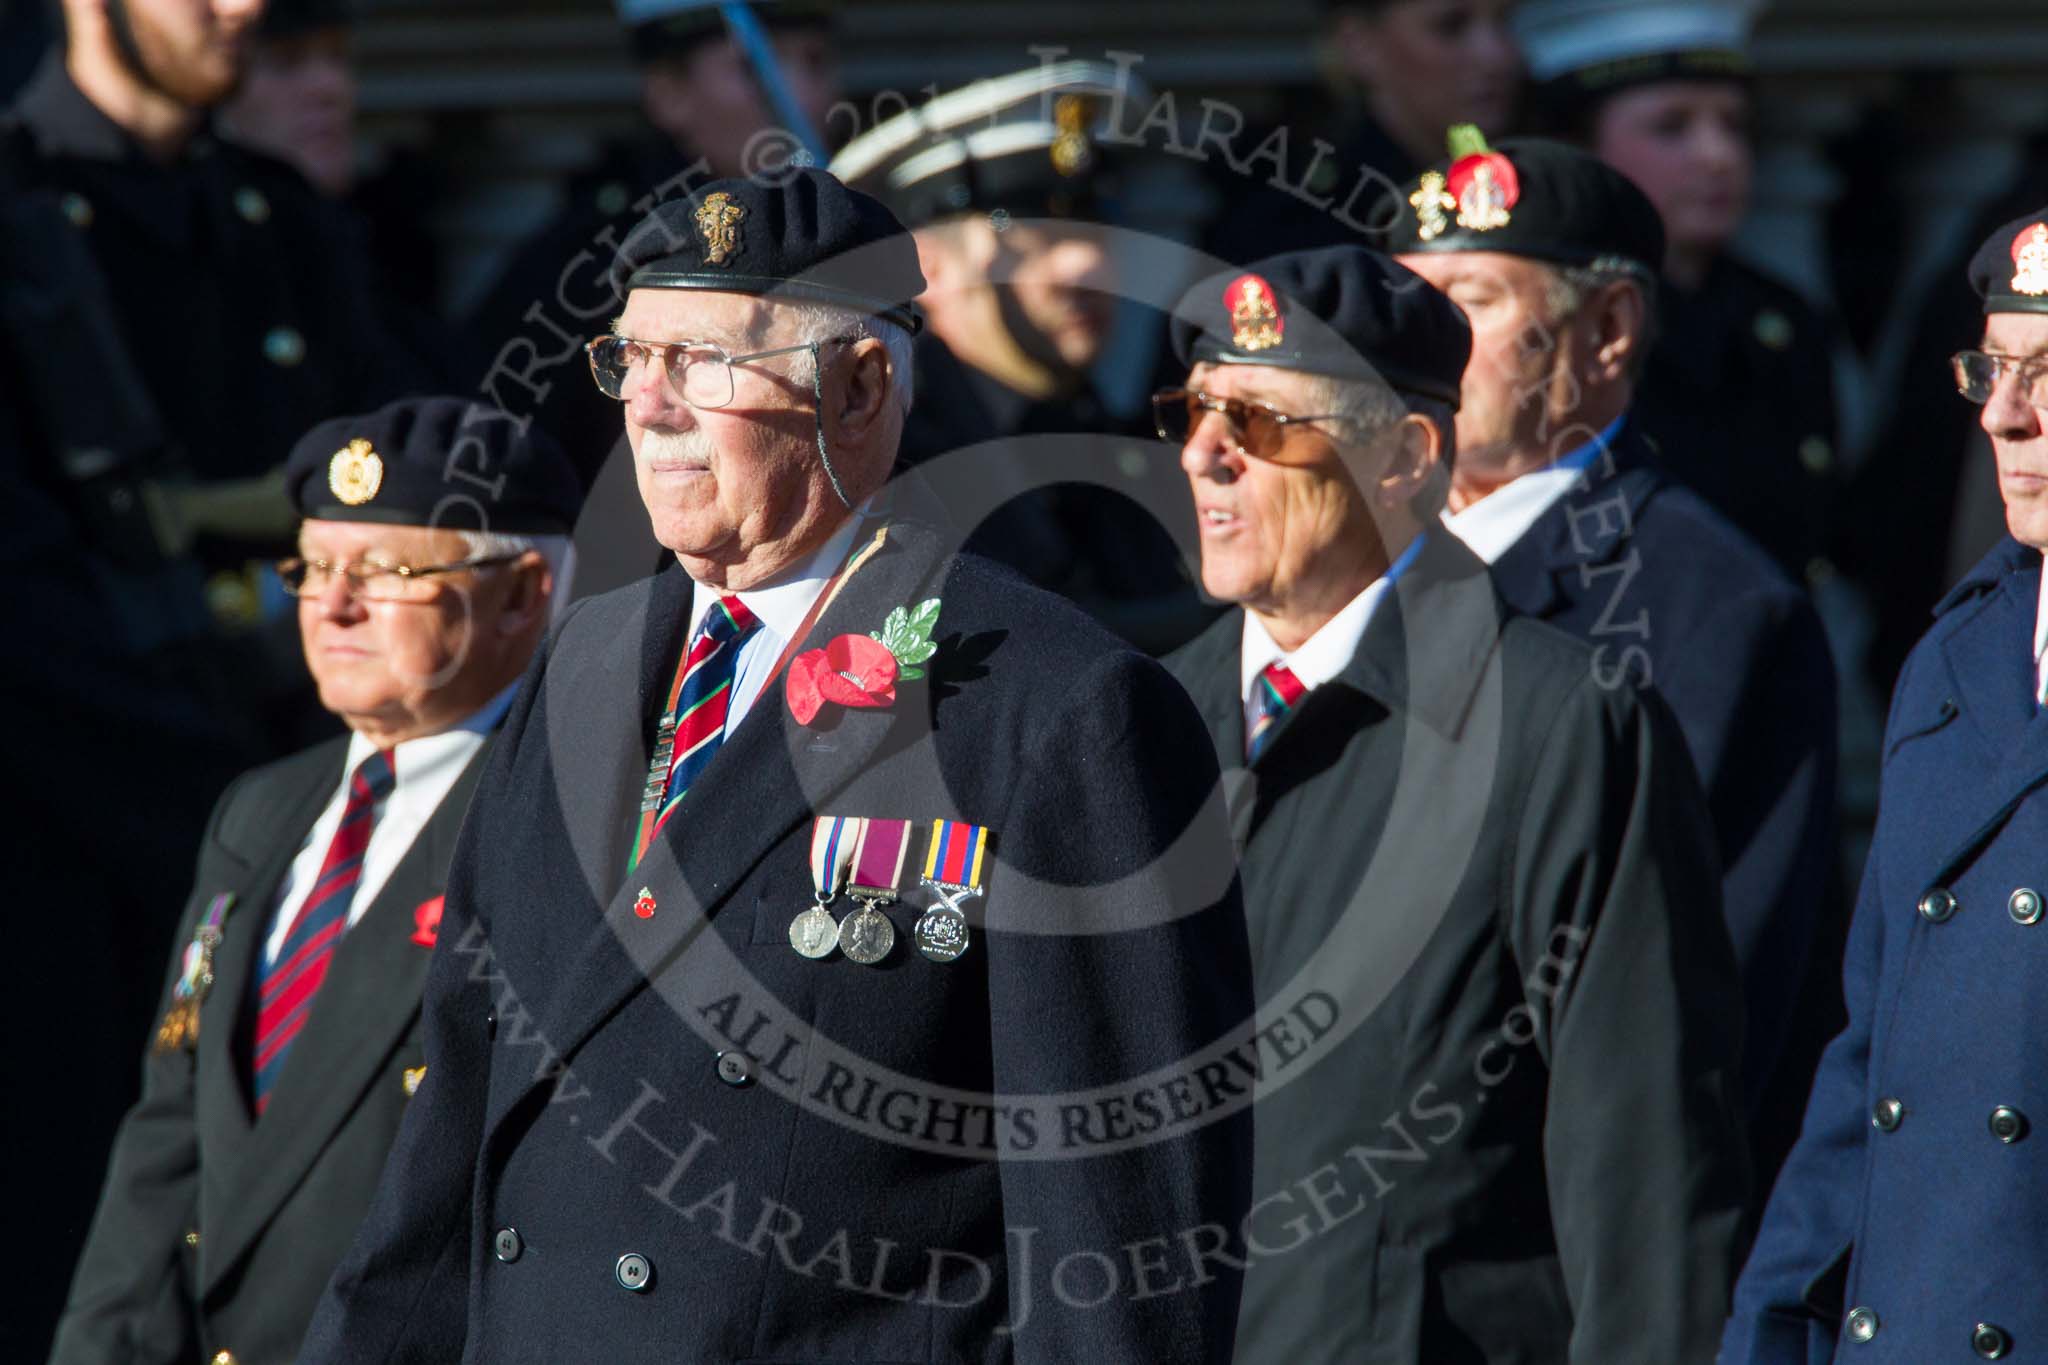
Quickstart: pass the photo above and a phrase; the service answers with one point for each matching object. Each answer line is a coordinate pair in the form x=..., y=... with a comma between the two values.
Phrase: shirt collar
x=782, y=606
x=410, y=758
x=1324, y=654
x=1491, y=526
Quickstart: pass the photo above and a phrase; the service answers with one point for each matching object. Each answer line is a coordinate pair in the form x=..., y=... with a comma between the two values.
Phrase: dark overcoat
x=1481, y=895
x=1910, y=1217
x=651, y=1130
x=217, y=1231
x=1669, y=594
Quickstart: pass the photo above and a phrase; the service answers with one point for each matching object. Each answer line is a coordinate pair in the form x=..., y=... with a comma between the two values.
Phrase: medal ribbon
x=878, y=857
x=953, y=858
x=651, y=813
x=833, y=838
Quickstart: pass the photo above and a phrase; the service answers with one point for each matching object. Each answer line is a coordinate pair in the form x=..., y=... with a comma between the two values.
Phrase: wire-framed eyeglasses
x=700, y=371
x=1257, y=429
x=1978, y=372
x=374, y=581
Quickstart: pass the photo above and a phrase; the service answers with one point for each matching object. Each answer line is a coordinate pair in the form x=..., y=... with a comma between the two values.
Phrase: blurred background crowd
x=453, y=172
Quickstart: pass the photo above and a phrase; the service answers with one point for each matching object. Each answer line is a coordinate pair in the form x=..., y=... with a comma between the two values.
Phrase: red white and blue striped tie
x=287, y=986
x=1275, y=692
x=706, y=698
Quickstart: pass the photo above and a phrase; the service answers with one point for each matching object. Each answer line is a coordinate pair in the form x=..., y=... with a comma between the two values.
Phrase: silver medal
x=814, y=933
x=866, y=936
x=942, y=933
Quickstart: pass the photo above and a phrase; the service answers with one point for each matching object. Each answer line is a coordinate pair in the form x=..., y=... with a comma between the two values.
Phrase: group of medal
x=865, y=858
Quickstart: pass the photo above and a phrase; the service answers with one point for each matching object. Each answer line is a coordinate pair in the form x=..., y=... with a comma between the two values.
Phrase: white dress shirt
x=780, y=608
x=1491, y=526
x=2041, y=639
x=423, y=770
x=1322, y=656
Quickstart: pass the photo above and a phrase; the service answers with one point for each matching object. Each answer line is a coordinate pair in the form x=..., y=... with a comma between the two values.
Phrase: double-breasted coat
x=650, y=1129
x=216, y=1231
x=1911, y=1220
x=1669, y=594
x=1490, y=878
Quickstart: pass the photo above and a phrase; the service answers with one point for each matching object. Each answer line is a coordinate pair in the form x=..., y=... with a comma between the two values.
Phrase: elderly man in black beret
x=842, y=958
x=1480, y=884
x=1560, y=489
x=290, y=1042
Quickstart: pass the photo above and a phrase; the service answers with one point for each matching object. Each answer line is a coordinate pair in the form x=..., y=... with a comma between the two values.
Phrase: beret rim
x=2015, y=303
x=1207, y=350
x=772, y=287
x=509, y=523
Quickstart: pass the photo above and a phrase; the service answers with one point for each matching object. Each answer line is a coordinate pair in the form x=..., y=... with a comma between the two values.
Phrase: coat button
x=1938, y=906
x=284, y=347
x=735, y=1068
x=2025, y=906
x=506, y=1246
x=192, y=1237
x=1990, y=1342
x=250, y=203
x=1861, y=1324
x=633, y=1272
x=491, y=1026
x=2008, y=1124
x=1887, y=1114
x=77, y=209
x=222, y=1358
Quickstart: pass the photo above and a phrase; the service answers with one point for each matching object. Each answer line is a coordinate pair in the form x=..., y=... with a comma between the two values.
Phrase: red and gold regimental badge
x=2030, y=260
x=1071, y=151
x=1481, y=181
x=1255, y=322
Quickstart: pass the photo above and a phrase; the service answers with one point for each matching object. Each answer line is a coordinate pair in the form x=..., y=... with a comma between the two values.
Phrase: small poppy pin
x=426, y=921
x=643, y=904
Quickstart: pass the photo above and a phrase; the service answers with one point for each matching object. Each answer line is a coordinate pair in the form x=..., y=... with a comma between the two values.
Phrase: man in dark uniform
x=1013, y=197
x=1738, y=395
x=836, y=916
x=174, y=313
x=1551, y=253
x=704, y=106
x=290, y=1041
x=1516, y=1136
x=1907, y=1224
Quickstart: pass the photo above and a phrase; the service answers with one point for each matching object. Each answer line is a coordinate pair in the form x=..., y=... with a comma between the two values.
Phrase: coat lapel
x=769, y=776
x=221, y=1101
x=368, y=1000
x=1988, y=656
x=1539, y=574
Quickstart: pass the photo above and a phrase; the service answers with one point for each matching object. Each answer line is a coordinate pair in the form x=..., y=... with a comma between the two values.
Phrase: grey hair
x=822, y=322
x=558, y=551
x=1569, y=286
x=1371, y=408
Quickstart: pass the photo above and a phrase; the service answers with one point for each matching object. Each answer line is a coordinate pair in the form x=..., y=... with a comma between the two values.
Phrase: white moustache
x=676, y=449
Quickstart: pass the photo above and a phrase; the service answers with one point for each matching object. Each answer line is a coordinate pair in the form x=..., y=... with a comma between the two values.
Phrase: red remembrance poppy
x=852, y=670
x=426, y=920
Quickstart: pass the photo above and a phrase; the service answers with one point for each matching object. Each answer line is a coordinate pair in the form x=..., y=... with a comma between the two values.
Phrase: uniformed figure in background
x=1907, y=1224
x=1518, y=1137
x=716, y=895
x=704, y=106
x=1009, y=189
x=1405, y=72
x=175, y=311
x=289, y=1042
x=1738, y=396
x=1552, y=253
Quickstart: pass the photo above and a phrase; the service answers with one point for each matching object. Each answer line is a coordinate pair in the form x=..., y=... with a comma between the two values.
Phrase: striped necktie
x=706, y=697
x=1275, y=692
x=286, y=988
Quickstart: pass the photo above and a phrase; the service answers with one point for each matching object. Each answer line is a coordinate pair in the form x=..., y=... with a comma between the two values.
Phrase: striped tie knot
x=288, y=983
x=1275, y=692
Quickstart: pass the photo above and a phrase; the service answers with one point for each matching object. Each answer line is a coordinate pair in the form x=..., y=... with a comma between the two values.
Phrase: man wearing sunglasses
x=1558, y=488
x=290, y=1041
x=1512, y=1132
x=1907, y=1222
x=713, y=1081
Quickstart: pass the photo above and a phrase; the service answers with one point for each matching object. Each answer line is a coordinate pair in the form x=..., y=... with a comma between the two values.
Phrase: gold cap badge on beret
x=355, y=473
x=2030, y=261
x=718, y=220
x=1072, y=152
x=1255, y=322
x=1481, y=180
x=1431, y=202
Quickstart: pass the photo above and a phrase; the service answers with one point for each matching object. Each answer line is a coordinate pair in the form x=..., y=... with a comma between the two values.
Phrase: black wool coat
x=651, y=1130
x=217, y=1231
x=1482, y=901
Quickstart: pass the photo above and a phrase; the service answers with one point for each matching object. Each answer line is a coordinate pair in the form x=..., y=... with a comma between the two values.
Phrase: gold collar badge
x=355, y=473
x=2030, y=261
x=718, y=221
x=1255, y=322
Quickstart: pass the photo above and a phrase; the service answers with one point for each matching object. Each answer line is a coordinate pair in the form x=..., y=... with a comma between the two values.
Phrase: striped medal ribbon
x=814, y=933
x=866, y=935
x=952, y=871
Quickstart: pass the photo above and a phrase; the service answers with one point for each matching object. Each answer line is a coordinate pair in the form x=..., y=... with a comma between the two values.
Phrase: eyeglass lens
x=1977, y=375
x=701, y=375
x=1177, y=412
